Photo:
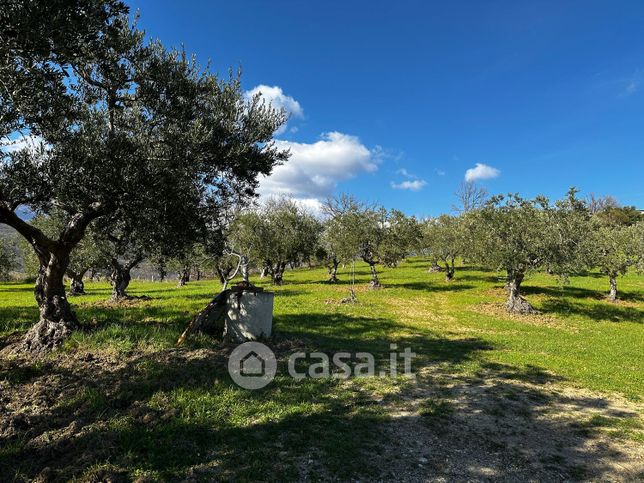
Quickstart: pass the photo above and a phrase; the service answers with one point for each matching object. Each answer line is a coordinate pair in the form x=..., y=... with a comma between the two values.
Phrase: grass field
x=120, y=401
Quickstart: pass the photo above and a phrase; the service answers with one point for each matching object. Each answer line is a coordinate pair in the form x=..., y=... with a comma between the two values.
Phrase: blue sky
x=395, y=101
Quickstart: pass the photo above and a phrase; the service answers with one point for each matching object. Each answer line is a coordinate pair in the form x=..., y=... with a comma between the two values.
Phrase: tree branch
x=32, y=234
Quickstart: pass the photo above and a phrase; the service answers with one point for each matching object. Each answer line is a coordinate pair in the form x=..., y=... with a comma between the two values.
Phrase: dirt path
x=504, y=425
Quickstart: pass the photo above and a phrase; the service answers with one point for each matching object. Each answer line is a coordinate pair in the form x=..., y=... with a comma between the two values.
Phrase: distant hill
x=9, y=233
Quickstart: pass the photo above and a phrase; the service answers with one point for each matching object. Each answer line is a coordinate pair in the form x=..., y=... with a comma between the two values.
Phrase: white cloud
x=439, y=172
x=481, y=171
x=406, y=174
x=414, y=185
x=314, y=170
x=275, y=96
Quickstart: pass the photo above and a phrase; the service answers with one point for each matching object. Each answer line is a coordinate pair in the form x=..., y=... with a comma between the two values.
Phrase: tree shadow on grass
x=176, y=415
x=581, y=293
x=479, y=278
x=453, y=286
x=175, y=412
x=507, y=423
x=359, y=336
x=597, y=311
x=15, y=287
x=471, y=268
x=17, y=318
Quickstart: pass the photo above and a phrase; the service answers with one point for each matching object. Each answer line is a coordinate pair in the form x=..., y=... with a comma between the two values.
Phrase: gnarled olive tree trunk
x=449, y=270
x=57, y=319
x=223, y=273
x=375, y=281
x=516, y=303
x=77, y=286
x=612, y=294
x=333, y=270
x=244, y=264
x=184, y=276
x=121, y=276
x=278, y=273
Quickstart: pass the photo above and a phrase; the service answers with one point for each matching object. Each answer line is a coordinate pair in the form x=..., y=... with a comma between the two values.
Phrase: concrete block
x=249, y=316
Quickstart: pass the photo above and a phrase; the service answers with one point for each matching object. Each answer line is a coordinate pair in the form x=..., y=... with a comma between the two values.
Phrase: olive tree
x=122, y=128
x=518, y=236
x=340, y=238
x=331, y=251
x=359, y=231
x=402, y=235
x=617, y=249
x=618, y=215
x=444, y=240
x=89, y=253
x=195, y=258
x=125, y=252
x=276, y=234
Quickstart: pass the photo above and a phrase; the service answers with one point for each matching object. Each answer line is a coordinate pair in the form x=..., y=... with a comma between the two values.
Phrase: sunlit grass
x=580, y=336
x=156, y=418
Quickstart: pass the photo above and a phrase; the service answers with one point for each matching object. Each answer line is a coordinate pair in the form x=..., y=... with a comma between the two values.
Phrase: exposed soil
x=499, y=424
x=499, y=310
x=504, y=425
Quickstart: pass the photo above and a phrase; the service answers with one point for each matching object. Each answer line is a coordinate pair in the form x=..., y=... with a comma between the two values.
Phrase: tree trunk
x=333, y=271
x=210, y=320
x=120, y=280
x=198, y=275
x=245, y=269
x=121, y=277
x=449, y=271
x=184, y=276
x=278, y=273
x=57, y=319
x=375, y=282
x=77, y=286
x=516, y=303
x=222, y=273
x=612, y=295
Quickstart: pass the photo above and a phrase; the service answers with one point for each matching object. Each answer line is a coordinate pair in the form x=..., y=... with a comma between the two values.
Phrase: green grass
x=173, y=416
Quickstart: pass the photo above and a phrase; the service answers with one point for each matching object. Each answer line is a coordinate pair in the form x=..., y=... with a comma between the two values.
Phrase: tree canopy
x=518, y=236
x=119, y=128
x=444, y=240
x=276, y=234
x=616, y=250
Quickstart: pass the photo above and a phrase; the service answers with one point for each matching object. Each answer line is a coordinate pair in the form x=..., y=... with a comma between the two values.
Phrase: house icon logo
x=252, y=365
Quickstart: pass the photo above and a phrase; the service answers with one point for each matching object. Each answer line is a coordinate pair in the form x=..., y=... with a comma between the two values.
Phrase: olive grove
x=121, y=128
